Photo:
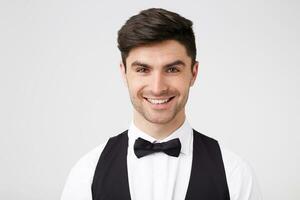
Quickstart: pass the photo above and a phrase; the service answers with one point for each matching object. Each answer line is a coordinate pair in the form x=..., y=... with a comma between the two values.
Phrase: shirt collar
x=184, y=133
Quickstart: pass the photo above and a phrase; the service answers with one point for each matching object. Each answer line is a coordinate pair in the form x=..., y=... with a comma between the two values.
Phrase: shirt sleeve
x=80, y=178
x=242, y=183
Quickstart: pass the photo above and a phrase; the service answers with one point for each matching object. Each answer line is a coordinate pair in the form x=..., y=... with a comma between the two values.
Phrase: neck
x=156, y=130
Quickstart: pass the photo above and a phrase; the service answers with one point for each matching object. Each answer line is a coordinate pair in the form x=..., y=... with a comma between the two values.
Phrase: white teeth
x=158, y=101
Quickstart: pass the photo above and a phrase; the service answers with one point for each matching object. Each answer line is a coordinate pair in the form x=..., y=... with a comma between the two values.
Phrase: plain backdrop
x=61, y=92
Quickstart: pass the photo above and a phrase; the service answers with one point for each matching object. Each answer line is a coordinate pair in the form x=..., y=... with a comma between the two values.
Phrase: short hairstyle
x=156, y=25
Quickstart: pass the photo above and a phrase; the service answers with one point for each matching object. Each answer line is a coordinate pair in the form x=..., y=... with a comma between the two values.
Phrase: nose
x=158, y=84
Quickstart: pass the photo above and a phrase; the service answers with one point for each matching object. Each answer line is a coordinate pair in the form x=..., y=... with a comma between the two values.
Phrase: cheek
x=183, y=90
x=135, y=87
x=181, y=85
x=139, y=81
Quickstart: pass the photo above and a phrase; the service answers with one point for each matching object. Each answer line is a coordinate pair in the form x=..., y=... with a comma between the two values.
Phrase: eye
x=172, y=70
x=142, y=70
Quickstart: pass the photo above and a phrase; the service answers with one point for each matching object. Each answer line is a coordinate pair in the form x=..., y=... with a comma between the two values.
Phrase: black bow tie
x=143, y=147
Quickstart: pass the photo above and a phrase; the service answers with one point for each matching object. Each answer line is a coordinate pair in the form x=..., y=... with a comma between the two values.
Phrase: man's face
x=158, y=77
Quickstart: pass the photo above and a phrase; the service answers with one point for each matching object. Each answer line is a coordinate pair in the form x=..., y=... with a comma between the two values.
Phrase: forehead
x=158, y=54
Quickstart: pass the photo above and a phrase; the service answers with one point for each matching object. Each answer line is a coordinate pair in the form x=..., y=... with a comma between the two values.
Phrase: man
x=160, y=157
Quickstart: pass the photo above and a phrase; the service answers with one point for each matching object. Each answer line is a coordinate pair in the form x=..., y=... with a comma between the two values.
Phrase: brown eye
x=172, y=70
x=141, y=70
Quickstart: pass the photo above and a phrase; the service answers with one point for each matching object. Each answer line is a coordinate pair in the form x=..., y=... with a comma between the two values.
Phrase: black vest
x=207, y=179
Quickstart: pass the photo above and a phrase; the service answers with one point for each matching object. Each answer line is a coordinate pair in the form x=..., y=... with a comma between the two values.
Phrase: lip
x=159, y=98
x=163, y=106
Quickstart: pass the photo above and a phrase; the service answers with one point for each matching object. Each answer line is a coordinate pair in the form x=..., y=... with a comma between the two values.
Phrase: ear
x=194, y=73
x=123, y=72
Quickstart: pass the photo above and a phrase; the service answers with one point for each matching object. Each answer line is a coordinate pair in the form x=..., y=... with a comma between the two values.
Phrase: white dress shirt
x=158, y=176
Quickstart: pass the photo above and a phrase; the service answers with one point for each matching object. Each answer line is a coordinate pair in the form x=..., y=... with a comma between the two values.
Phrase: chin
x=159, y=120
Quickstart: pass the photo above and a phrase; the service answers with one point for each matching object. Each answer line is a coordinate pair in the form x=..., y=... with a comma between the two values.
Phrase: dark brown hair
x=156, y=25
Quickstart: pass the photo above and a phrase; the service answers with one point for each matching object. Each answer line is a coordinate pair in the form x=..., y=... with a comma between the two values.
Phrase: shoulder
x=231, y=160
x=81, y=175
x=80, y=179
x=240, y=177
x=89, y=160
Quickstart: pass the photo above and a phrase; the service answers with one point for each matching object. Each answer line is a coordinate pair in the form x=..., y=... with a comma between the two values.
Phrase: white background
x=61, y=92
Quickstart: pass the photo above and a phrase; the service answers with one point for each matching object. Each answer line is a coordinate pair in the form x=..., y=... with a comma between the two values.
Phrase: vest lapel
x=111, y=176
x=208, y=180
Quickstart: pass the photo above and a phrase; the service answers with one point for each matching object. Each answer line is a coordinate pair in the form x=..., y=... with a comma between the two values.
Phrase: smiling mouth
x=159, y=101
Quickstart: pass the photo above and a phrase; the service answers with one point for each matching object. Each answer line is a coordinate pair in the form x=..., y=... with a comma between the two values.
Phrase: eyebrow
x=138, y=63
x=176, y=62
